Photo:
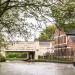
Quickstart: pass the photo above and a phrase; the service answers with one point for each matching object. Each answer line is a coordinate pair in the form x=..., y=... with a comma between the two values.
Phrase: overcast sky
x=35, y=33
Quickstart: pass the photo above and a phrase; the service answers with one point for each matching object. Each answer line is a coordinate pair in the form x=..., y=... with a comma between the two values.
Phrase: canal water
x=38, y=68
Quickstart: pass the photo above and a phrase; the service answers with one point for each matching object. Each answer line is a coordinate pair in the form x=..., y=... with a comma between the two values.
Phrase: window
x=64, y=39
x=60, y=40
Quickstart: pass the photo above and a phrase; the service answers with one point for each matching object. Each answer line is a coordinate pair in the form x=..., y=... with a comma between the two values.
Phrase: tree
x=63, y=13
x=47, y=33
x=14, y=13
x=3, y=44
x=43, y=37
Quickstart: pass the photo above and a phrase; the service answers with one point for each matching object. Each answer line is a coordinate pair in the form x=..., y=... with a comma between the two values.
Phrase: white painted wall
x=39, y=47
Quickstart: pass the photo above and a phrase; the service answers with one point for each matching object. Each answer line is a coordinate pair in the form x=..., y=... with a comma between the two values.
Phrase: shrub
x=2, y=58
x=16, y=55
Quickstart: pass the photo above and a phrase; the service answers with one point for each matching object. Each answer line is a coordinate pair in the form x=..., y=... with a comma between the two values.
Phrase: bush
x=2, y=58
x=16, y=55
x=11, y=55
x=56, y=58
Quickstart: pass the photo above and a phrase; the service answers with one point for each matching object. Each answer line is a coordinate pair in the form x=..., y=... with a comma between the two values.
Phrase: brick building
x=64, y=44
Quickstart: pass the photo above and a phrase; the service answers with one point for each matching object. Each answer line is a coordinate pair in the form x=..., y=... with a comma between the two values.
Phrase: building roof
x=72, y=38
x=44, y=43
x=71, y=33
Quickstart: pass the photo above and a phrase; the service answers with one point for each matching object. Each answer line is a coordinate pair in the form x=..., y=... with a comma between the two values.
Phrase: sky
x=35, y=33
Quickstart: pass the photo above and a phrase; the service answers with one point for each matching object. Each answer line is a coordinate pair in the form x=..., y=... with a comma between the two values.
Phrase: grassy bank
x=53, y=61
x=40, y=60
x=12, y=59
x=43, y=60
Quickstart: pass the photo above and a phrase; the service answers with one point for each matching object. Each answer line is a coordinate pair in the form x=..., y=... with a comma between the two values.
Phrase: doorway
x=31, y=55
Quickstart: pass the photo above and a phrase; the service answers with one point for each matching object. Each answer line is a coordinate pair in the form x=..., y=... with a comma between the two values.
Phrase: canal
x=24, y=68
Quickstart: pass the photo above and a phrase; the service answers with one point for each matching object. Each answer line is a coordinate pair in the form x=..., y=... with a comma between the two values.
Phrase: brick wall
x=60, y=38
x=63, y=44
x=71, y=43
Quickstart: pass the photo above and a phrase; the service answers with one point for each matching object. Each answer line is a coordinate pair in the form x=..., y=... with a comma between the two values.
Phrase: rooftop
x=71, y=33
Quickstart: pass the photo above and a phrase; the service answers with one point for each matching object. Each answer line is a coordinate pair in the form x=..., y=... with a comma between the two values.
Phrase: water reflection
x=23, y=68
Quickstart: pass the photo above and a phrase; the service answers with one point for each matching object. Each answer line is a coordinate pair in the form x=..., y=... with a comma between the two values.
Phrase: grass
x=12, y=59
x=53, y=61
x=50, y=59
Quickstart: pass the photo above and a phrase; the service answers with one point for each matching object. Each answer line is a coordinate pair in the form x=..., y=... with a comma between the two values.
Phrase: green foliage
x=2, y=58
x=64, y=14
x=3, y=44
x=43, y=37
x=47, y=33
x=15, y=13
x=16, y=55
x=55, y=58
